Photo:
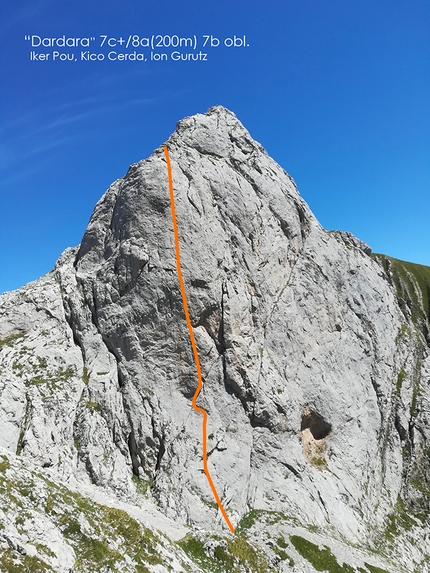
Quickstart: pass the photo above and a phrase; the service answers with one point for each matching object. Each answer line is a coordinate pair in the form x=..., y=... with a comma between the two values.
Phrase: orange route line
x=193, y=344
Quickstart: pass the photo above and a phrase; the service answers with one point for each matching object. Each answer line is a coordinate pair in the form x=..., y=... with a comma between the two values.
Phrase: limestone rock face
x=315, y=378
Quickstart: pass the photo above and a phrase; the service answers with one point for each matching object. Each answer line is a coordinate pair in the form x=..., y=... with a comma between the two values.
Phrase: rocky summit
x=316, y=381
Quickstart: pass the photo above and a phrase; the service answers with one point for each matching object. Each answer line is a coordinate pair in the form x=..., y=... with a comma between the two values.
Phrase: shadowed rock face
x=300, y=335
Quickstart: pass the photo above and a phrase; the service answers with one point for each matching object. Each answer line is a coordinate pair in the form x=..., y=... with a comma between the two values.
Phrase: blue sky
x=337, y=92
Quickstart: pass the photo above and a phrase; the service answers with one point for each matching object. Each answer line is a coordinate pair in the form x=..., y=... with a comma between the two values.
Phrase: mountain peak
x=216, y=132
x=313, y=358
x=215, y=162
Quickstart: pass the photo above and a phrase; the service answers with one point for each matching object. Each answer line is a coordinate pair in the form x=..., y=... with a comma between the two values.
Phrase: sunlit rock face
x=315, y=373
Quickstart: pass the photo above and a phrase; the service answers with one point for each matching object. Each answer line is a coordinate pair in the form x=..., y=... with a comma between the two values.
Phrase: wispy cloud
x=47, y=116
x=63, y=116
x=48, y=129
x=51, y=144
x=68, y=112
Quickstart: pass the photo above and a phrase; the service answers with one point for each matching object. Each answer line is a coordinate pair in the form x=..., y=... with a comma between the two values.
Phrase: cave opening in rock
x=315, y=423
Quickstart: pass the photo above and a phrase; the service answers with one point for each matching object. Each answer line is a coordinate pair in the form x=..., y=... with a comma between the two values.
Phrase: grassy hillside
x=412, y=282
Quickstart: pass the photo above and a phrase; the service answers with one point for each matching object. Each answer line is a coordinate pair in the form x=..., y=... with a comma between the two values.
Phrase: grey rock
x=302, y=341
x=350, y=241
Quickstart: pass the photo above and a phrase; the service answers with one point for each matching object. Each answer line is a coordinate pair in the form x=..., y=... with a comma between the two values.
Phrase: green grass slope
x=412, y=283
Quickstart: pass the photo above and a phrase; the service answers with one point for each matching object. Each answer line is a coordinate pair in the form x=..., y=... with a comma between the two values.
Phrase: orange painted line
x=193, y=344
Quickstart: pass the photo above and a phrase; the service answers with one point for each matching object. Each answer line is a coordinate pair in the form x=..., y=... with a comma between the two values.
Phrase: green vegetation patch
x=12, y=563
x=232, y=555
x=400, y=379
x=94, y=551
x=416, y=393
x=38, y=372
x=405, y=275
x=404, y=331
x=279, y=549
x=399, y=519
x=195, y=550
x=93, y=407
x=421, y=505
x=320, y=559
x=44, y=549
x=18, y=367
x=52, y=380
x=319, y=463
x=142, y=486
x=85, y=376
x=247, y=555
x=249, y=519
x=421, y=274
x=374, y=569
x=4, y=464
x=11, y=339
x=101, y=536
x=262, y=515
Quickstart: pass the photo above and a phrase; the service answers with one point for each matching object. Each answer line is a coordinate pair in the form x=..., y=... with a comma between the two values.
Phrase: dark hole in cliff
x=316, y=424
